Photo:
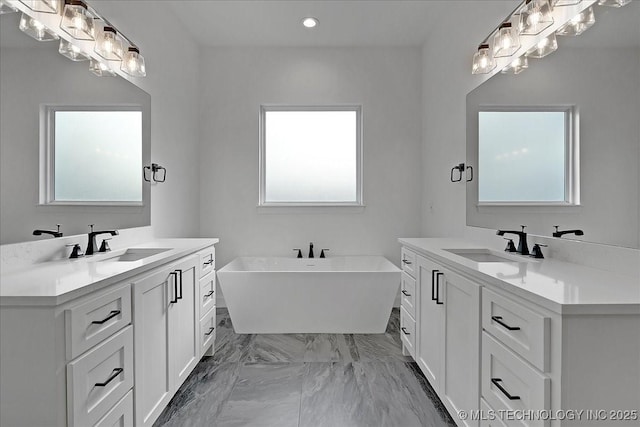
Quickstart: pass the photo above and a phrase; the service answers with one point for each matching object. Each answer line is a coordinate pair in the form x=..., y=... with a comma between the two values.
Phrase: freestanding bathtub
x=352, y=294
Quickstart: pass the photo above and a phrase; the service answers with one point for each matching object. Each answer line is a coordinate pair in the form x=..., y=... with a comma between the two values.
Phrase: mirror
x=597, y=75
x=34, y=76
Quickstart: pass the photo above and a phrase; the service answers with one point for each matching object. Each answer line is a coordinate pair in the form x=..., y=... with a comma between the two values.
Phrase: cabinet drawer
x=489, y=417
x=207, y=261
x=510, y=384
x=97, y=380
x=408, y=291
x=207, y=330
x=95, y=319
x=207, y=293
x=408, y=260
x=120, y=415
x=519, y=328
x=408, y=331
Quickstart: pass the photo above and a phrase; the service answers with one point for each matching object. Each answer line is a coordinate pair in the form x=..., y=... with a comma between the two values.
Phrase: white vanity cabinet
x=447, y=329
x=113, y=355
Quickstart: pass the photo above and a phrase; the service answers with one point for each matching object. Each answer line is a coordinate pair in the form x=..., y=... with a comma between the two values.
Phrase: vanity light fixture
x=6, y=7
x=535, y=17
x=578, y=24
x=506, y=41
x=544, y=47
x=483, y=61
x=560, y=3
x=71, y=51
x=108, y=45
x=101, y=69
x=310, y=22
x=77, y=21
x=133, y=63
x=46, y=6
x=516, y=66
x=36, y=29
x=613, y=3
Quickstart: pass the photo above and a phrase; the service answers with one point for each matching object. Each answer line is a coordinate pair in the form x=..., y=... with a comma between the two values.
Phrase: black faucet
x=558, y=233
x=92, y=244
x=522, y=243
x=311, y=250
x=54, y=233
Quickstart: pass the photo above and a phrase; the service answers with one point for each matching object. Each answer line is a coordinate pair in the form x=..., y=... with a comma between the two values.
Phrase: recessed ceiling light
x=310, y=22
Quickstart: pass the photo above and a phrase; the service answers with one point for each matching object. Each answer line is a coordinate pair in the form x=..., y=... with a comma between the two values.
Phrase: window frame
x=571, y=157
x=47, y=154
x=359, y=202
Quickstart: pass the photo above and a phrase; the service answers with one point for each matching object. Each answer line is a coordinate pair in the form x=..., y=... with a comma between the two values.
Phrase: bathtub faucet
x=311, y=250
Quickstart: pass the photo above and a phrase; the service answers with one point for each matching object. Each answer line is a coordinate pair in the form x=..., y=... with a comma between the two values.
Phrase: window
x=525, y=156
x=93, y=156
x=310, y=156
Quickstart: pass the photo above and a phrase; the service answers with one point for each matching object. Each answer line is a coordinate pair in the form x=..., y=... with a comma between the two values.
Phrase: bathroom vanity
x=105, y=340
x=515, y=341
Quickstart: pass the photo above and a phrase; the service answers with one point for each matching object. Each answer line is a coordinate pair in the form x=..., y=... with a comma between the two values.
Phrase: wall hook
x=461, y=167
x=155, y=173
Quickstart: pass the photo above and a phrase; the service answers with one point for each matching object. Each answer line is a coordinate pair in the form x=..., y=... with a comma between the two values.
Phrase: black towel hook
x=461, y=167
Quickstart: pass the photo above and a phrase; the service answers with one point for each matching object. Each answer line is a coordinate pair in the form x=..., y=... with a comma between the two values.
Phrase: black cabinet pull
x=404, y=261
x=111, y=315
x=207, y=295
x=496, y=382
x=438, y=288
x=175, y=286
x=405, y=293
x=116, y=372
x=433, y=283
x=498, y=320
x=180, y=274
x=210, y=331
x=404, y=331
x=208, y=262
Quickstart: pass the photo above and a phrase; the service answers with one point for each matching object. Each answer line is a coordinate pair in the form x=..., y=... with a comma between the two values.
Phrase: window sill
x=528, y=207
x=309, y=209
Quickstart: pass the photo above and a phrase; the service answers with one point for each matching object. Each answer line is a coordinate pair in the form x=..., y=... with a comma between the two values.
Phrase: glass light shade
x=535, y=16
x=133, y=63
x=100, y=69
x=72, y=51
x=108, y=45
x=578, y=24
x=516, y=66
x=6, y=7
x=47, y=6
x=77, y=21
x=557, y=3
x=544, y=47
x=483, y=61
x=613, y=3
x=506, y=41
x=36, y=29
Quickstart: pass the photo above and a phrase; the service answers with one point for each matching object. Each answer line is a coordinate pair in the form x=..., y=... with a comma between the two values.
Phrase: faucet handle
x=77, y=250
x=536, y=252
x=299, y=252
x=91, y=228
x=511, y=247
x=556, y=227
x=104, y=247
x=322, y=253
x=523, y=227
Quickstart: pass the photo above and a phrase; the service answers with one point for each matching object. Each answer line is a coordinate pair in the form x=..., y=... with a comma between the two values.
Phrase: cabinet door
x=184, y=335
x=153, y=385
x=460, y=385
x=429, y=322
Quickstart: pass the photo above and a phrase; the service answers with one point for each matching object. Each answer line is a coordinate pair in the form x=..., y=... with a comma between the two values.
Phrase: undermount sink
x=485, y=255
x=135, y=254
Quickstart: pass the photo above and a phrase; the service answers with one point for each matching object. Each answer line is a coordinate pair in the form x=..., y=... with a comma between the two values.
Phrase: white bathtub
x=351, y=294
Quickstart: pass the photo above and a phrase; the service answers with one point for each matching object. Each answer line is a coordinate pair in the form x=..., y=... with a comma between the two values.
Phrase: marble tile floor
x=306, y=380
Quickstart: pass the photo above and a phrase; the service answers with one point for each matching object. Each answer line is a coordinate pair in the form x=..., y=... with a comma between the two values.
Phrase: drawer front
x=408, y=331
x=97, y=380
x=207, y=331
x=120, y=415
x=489, y=417
x=408, y=291
x=519, y=328
x=510, y=384
x=207, y=294
x=207, y=261
x=95, y=319
x=408, y=260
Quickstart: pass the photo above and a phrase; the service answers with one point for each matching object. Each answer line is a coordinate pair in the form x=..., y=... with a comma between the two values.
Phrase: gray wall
x=386, y=81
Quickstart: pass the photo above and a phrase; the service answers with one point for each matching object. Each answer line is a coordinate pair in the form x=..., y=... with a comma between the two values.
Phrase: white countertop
x=561, y=287
x=56, y=282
